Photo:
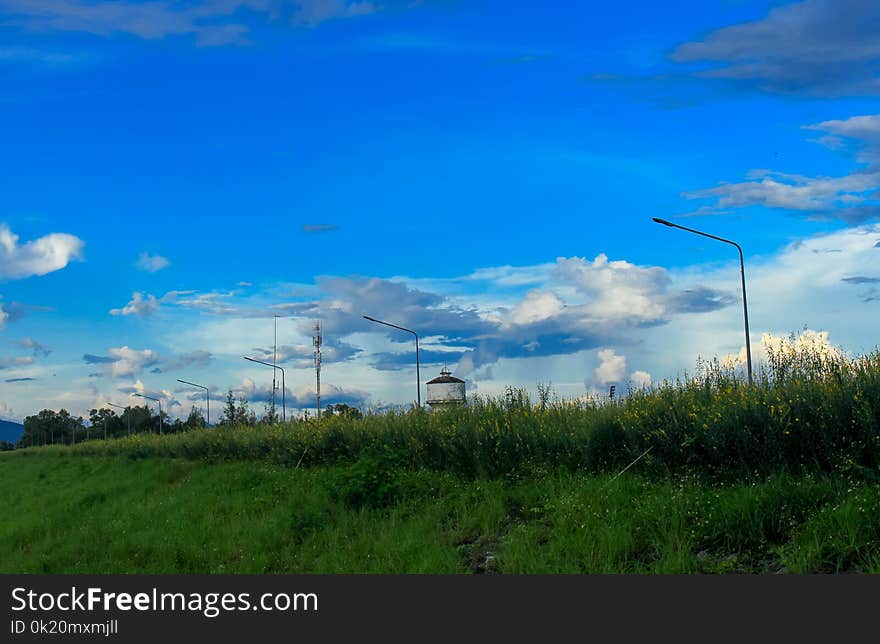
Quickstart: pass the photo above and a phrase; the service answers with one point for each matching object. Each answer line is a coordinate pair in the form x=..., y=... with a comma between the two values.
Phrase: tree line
x=49, y=427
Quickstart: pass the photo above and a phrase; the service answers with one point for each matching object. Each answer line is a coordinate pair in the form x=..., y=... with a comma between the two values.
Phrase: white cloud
x=791, y=191
x=864, y=128
x=612, y=367
x=851, y=198
x=152, y=263
x=245, y=389
x=130, y=362
x=15, y=361
x=139, y=306
x=6, y=412
x=641, y=379
x=617, y=289
x=38, y=257
x=536, y=306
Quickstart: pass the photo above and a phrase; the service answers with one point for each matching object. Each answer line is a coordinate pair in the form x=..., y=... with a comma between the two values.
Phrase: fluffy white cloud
x=617, y=289
x=537, y=306
x=152, y=263
x=641, y=379
x=612, y=367
x=130, y=362
x=139, y=306
x=38, y=257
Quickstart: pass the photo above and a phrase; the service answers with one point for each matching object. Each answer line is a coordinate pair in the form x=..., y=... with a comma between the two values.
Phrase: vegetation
x=60, y=428
x=705, y=474
x=805, y=414
x=117, y=515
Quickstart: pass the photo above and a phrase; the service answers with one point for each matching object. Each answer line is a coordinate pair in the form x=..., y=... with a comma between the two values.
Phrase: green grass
x=65, y=514
x=725, y=476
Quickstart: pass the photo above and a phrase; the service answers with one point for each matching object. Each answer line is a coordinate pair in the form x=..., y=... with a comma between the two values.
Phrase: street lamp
x=418, y=377
x=283, y=387
x=124, y=409
x=207, y=398
x=275, y=360
x=160, y=409
x=742, y=271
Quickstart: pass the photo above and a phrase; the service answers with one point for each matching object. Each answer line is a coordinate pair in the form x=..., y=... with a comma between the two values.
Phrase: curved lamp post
x=418, y=377
x=207, y=399
x=160, y=409
x=283, y=387
x=742, y=271
x=123, y=410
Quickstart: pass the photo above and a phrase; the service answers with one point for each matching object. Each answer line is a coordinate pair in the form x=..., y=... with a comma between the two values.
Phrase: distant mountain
x=10, y=432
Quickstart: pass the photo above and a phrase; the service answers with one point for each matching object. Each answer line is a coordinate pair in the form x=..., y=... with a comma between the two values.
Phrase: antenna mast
x=317, y=340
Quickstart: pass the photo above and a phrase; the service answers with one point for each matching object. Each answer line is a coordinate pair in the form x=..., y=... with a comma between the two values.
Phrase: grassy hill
x=708, y=474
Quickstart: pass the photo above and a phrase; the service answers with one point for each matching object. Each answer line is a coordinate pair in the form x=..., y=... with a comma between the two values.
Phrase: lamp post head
x=657, y=220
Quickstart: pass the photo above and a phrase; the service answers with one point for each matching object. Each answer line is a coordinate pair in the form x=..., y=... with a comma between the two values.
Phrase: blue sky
x=176, y=173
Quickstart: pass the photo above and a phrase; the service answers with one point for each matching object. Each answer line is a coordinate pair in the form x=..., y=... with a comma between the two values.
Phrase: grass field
x=67, y=514
x=719, y=476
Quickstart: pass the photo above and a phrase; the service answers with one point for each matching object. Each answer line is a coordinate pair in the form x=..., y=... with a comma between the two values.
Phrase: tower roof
x=444, y=377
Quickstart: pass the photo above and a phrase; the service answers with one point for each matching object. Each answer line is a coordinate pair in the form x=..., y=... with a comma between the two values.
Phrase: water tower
x=446, y=391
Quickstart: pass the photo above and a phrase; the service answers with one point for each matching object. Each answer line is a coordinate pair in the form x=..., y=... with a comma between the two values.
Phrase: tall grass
x=807, y=412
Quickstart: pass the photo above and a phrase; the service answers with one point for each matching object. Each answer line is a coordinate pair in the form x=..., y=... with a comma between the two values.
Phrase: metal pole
x=207, y=398
x=124, y=409
x=742, y=269
x=418, y=376
x=159, y=402
x=283, y=385
x=274, y=361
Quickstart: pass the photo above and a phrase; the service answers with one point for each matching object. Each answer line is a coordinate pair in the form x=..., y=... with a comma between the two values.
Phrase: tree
x=228, y=417
x=142, y=420
x=195, y=420
x=270, y=413
x=49, y=427
x=105, y=422
x=237, y=414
